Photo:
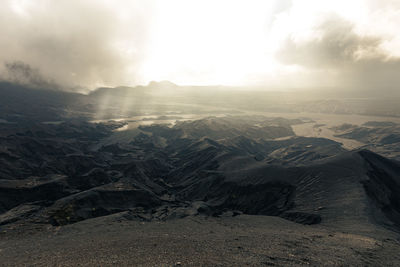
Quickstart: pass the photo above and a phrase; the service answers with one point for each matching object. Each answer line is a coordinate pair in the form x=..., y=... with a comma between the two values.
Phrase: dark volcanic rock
x=14, y=193
x=64, y=173
x=383, y=185
x=271, y=198
x=99, y=202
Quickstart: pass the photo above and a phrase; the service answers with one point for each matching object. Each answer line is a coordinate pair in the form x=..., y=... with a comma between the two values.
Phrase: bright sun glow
x=231, y=42
x=221, y=40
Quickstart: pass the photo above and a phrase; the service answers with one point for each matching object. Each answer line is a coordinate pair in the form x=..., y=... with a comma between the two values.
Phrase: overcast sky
x=277, y=43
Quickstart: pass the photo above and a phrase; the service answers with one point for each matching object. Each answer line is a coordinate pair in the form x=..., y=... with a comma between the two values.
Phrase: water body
x=316, y=124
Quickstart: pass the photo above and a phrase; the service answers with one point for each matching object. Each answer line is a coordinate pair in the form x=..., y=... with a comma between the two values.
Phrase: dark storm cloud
x=69, y=42
x=22, y=73
x=356, y=60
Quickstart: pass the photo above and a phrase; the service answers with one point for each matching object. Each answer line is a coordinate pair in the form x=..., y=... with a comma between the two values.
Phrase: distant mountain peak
x=162, y=84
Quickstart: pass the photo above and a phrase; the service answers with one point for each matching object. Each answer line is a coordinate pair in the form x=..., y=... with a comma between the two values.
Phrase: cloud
x=21, y=73
x=335, y=51
x=333, y=44
x=68, y=44
x=88, y=43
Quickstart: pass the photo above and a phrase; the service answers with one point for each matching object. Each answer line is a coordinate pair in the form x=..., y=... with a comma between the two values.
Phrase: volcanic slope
x=169, y=172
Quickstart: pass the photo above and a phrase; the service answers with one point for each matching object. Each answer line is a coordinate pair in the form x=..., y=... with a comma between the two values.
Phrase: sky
x=85, y=44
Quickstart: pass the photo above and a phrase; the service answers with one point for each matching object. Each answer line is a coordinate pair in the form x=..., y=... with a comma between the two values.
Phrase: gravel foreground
x=195, y=241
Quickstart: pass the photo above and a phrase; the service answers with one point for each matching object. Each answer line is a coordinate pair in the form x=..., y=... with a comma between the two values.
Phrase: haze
x=274, y=44
x=199, y=132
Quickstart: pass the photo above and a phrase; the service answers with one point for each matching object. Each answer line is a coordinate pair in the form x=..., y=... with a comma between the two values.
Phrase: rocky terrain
x=62, y=173
x=205, y=187
x=382, y=137
x=59, y=174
